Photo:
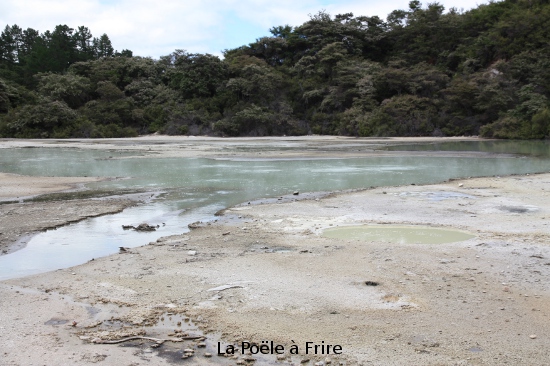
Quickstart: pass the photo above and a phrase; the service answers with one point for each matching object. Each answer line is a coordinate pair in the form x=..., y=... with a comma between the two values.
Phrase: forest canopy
x=422, y=71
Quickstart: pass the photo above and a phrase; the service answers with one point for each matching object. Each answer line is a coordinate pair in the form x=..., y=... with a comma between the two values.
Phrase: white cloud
x=158, y=27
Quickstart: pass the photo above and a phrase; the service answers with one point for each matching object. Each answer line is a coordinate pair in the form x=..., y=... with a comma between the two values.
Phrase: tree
x=120, y=71
x=196, y=75
x=255, y=83
x=405, y=115
x=69, y=88
x=61, y=47
x=5, y=102
x=103, y=47
x=11, y=41
x=84, y=43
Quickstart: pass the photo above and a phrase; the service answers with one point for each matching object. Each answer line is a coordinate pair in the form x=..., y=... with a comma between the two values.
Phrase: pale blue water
x=194, y=189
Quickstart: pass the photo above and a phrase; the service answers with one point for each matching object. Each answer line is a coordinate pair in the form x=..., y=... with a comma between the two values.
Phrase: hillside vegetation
x=424, y=71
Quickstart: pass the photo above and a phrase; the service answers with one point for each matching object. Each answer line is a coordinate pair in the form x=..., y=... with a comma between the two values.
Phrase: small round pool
x=398, y=234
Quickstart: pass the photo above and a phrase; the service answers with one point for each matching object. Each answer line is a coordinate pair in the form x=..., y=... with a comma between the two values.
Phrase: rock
x=296, y=193
x=145, y=227
x=192, y=252
x=533, y=336
x=224, y=287
x=194, y=225
x=207, y=354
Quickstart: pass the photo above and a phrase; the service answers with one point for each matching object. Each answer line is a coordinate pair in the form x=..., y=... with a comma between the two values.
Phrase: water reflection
x=532, y=148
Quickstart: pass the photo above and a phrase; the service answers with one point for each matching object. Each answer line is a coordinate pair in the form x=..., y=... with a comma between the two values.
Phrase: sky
x=158, y=27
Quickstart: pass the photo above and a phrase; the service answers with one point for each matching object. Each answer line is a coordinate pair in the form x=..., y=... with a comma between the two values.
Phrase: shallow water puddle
x=398, y=234
x=204, y=350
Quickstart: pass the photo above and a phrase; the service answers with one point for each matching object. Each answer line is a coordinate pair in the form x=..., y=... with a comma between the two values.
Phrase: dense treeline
x=422, y=71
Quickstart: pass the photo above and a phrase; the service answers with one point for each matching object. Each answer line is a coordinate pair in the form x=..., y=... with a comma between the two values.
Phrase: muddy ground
x=264, y=272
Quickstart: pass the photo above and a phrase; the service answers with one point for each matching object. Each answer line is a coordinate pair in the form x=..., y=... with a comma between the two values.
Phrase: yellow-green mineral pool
x=398, y=234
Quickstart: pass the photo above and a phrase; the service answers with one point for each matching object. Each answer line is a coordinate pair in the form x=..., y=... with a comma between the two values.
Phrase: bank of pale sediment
x=480, y=301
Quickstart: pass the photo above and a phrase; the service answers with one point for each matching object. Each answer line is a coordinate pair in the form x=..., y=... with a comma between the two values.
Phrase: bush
x=405, y=115
x=540, y=124
x=41, y=120
x=511, y=127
